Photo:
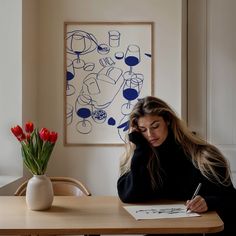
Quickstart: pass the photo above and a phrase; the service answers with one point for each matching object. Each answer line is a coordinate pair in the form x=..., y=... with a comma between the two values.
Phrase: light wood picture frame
x=108, y=66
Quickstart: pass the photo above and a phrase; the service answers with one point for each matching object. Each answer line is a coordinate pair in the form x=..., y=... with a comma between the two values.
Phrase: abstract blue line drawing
x=132, y=58
x=108, y=66
x=70, y=74
x=102, y=87
x=114, y=38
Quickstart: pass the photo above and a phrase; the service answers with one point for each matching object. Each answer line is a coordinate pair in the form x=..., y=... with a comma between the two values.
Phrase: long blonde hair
x=204, y=156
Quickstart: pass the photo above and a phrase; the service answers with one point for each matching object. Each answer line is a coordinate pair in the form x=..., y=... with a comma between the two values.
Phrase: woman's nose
x=149, y=132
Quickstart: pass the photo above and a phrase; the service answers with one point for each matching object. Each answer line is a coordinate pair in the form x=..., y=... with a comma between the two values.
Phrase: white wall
x=97, y=167
x=19, y=63
x=10, y=85
x=31, y=62
x=212, y=59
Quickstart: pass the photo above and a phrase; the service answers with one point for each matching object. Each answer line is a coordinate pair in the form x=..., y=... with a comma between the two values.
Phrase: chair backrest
x=62, y=186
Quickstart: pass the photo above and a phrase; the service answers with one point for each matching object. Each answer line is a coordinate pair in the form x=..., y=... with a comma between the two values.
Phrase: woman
x=164, y=159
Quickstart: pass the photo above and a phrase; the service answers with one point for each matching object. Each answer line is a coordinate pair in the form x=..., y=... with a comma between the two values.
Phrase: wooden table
x=93, y=215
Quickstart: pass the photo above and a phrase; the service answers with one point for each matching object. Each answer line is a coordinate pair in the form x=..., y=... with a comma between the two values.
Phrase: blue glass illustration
x=132, y=58
x=130, y=94
x=84, y=113
x=78, y=46
x=131, y=91
x=70, y=74
x=83, y=110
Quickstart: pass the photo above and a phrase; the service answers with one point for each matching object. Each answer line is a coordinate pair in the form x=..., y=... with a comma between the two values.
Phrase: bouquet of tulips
x=36, y=146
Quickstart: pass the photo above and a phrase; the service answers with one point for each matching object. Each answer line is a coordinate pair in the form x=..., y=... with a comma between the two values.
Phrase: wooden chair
x=62, y=186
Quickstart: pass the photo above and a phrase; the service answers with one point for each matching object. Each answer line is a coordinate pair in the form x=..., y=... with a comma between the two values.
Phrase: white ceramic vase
x=39, y=193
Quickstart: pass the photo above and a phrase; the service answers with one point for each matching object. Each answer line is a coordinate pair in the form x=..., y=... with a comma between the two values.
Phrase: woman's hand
x=198, y=204
x=132, y=129
x=137, y=138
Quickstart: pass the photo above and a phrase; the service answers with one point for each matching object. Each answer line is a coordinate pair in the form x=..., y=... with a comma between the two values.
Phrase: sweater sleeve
x=221, y=199
x=135, y=185
x=218, y=196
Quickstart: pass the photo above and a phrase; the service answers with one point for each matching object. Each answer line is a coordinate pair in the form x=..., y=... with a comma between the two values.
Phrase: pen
x=196, y=192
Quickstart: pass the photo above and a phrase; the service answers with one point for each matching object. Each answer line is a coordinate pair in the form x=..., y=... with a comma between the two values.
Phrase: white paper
x=140, y=212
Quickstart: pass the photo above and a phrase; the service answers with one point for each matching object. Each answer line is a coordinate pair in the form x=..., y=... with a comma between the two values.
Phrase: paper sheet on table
x=140, y=212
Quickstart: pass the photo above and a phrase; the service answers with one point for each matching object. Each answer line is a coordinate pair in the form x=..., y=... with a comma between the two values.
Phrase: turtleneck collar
x=168, y=143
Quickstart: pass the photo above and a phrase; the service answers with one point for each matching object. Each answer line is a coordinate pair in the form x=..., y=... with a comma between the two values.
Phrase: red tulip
x=28, y=137
x=53, y=137
x=22, y=137
x=36, y=146
x=29, y=127
x=17, y=131
x=44, y=134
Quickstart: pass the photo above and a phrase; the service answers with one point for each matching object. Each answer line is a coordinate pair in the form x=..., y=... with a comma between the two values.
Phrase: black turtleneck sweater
x=179, y=180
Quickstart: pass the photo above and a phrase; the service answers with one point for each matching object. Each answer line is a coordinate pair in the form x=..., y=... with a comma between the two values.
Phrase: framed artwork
x=108, y=66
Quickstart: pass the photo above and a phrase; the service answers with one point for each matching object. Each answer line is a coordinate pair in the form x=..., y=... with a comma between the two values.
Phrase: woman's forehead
x=149, y=119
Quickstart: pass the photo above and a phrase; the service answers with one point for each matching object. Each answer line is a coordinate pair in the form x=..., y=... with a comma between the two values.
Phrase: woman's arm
x=214, y=197
x=135, y=185
x=219, y=197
